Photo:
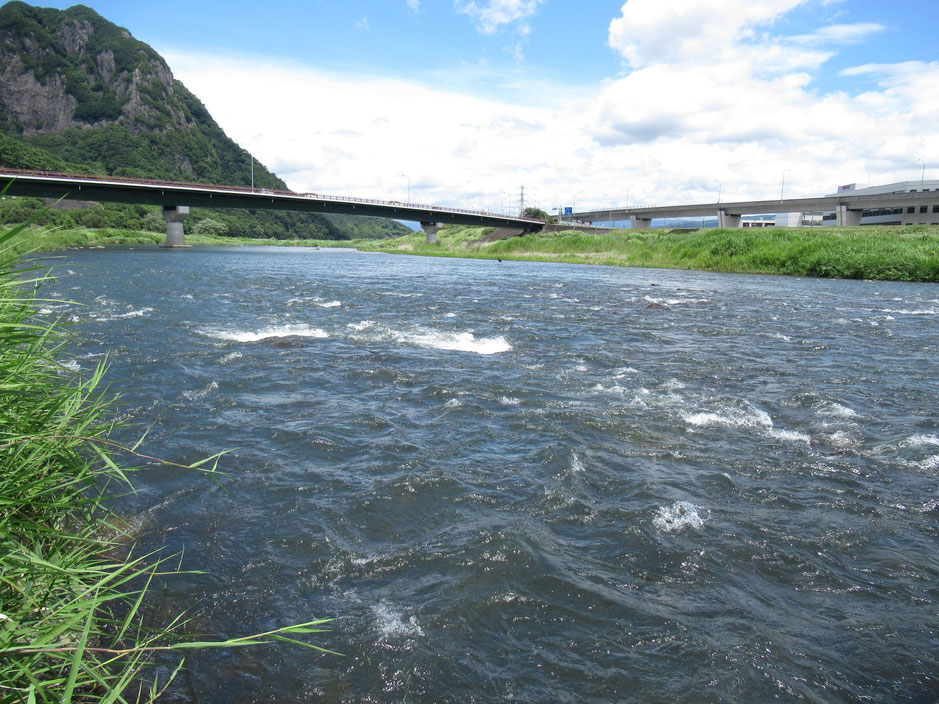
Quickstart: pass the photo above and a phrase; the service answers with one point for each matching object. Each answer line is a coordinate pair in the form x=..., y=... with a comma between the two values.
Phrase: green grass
x=908, y=253
x=73, y=590
x=35, y=239
x=891, y=253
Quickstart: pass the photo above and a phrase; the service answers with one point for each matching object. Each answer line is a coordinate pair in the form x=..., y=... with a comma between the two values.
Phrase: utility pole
x=521, y=203
x=252, y=173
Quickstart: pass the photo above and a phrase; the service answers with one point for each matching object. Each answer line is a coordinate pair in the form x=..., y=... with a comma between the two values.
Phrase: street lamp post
x=252, y=174
x=922, y=178
x=782, y=188
x=718, y=191
x=409, y=186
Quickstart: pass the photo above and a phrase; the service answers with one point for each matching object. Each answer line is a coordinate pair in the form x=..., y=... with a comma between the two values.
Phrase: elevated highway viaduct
x=848, y=208
x=177, y=198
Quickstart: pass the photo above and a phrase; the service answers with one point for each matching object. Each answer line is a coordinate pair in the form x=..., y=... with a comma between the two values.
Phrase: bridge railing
x=261, y=191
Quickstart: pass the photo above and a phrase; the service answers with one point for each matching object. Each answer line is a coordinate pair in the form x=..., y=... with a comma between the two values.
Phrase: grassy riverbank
x=889, y=253
x=42, y=240
x=72, y=589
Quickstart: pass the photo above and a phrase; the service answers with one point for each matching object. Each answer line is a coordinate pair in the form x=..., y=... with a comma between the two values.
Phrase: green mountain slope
x=78, y=93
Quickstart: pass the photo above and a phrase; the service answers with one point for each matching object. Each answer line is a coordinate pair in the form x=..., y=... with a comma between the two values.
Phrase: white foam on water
x=674, y=301
x=453, y=403
x=623, y=371
x=230, y=357
x=920, y=440
x=293, y=301
x=202, y=393
x=576, y=465
x=922, y=311
x=843, y=440
x=123, y=316
x=581, y=368
x=454, y=341
x=678, y=516
x=302, y=330
x=44, y=311
x=779, y=336
x=71, y=365
x=672, y=385
x=837, y=409
x=450, y=315
x=391, y=624
x=930, y=463
x=791, y=436
x=730, y=417
x=429, y=338
x=187, y=295
x=614, y=389
x=509, y=401
x=330, y=304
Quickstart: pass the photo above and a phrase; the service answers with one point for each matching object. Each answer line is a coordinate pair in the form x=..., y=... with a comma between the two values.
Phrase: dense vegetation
x=239, y=223
x=908, y=253
x=72, y=591
x=130, y=118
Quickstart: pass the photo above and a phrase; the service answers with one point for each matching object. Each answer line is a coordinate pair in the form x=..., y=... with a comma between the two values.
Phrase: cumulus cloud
x=666, y=31
x=715, y=77
x=492, y=15
x=414, y=5
x=457, y=149
x=713, y=91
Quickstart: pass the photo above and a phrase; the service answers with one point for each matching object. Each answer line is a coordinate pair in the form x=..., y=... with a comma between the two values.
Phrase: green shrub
x=208, y=226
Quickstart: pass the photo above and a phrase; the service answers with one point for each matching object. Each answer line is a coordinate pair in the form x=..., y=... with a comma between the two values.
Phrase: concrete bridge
x=177, y=198
x=848, y=208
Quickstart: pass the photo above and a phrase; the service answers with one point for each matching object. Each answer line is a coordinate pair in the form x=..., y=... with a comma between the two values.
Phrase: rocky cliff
x=79, y=91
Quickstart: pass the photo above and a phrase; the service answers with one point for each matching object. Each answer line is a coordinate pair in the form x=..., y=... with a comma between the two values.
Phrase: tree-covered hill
x=78, y=93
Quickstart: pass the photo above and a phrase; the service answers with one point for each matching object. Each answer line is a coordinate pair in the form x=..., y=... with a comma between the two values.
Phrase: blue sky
x=657, y=100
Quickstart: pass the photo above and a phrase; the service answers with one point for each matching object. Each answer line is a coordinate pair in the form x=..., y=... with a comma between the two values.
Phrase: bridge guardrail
x=261, y=191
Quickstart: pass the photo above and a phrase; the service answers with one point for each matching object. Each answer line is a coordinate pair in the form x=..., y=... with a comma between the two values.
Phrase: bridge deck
x=120, y=190
x=753, y=207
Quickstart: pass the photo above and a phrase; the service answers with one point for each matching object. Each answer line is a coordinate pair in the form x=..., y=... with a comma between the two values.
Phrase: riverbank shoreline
x=884, y=253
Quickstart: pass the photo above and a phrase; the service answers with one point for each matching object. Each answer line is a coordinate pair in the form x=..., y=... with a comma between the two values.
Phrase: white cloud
x=362, y=25
x=730, y=101
x=492, y=15
x=839, y=34
x=665, y=31
x=414, y=5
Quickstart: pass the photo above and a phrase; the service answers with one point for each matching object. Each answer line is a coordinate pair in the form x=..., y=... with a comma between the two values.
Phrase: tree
x=208, y=226
x=537, y=213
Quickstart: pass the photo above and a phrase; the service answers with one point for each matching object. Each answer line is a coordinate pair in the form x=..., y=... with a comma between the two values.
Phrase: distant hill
x=78, y=93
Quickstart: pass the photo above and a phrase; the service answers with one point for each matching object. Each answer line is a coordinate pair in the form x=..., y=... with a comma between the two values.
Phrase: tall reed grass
x=72, y=589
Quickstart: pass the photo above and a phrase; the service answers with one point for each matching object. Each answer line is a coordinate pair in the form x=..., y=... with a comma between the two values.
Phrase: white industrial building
x=910, y=215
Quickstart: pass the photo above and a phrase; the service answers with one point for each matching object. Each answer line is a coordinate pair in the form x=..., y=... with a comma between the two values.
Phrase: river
x=528, y=482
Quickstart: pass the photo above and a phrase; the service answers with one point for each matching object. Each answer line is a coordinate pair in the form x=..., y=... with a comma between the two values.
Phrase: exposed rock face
x=74, y=35
x=37, y=107
x=60, y=70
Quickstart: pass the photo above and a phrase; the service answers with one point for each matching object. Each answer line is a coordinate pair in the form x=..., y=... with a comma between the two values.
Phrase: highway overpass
x=847, y=208
x=177, y=198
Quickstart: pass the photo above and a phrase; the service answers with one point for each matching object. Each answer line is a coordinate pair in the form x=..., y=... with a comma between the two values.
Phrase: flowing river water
x=528, y=482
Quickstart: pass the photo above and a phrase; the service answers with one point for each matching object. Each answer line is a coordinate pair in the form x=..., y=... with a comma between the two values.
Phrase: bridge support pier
x=847, y=218
x=725, y=219
x=431, y=229
x=638, y=223
x=174, y=216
